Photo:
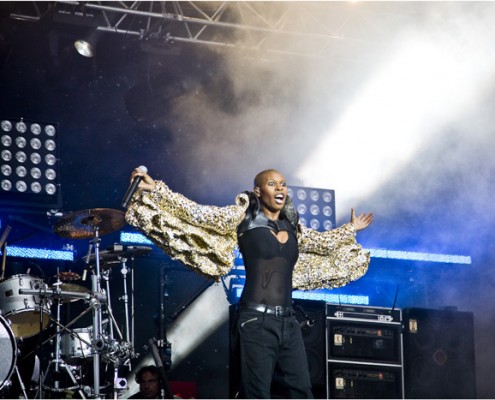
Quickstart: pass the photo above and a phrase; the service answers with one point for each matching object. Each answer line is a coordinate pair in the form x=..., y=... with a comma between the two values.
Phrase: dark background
x=206, y=120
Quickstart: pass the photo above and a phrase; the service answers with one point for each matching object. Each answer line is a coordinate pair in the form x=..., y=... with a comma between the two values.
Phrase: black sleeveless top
x=269, y=264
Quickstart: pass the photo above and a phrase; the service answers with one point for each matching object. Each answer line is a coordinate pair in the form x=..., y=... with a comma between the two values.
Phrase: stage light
x=6, y=155
x=36, y=173
x=316, y=207
x=43, y=254
x=6, y=126
x=29, y=163
x=35, y=158
x=21, y=126
x=35, y=129
x=84, y=48
x=6, y=170
x=50, y=159
x=328, y=297
x=416, y=256
x=36, y=187
x=136, y=238
x=6, y=140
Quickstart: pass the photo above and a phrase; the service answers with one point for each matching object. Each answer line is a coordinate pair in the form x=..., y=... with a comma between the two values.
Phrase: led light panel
x=29, y=162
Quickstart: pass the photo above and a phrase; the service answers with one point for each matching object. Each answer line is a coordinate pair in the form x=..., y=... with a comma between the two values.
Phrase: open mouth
x=279, y=199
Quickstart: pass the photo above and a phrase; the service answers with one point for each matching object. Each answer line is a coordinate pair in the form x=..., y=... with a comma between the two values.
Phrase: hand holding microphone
x=138, y=175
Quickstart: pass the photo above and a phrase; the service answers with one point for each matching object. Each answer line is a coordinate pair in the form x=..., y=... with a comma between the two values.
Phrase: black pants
x=271, y=354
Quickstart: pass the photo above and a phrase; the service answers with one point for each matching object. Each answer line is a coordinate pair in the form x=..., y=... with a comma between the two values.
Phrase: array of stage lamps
x=28, y=157
x=316, y=207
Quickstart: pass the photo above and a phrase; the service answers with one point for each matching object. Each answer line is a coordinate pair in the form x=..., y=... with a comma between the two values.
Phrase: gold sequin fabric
x=329, y=259
x=204, y=239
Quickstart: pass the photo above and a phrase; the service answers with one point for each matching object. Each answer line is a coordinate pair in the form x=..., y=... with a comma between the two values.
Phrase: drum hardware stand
x=124, y=270
x=63, y=327
x=95, y=300
x=109, y=349
x=119, y=354
x=110, y=310
x=90, y=224
x=97, y=312
x=3, y=246
x=58, y=363
x=21, y=383
x=113, y=352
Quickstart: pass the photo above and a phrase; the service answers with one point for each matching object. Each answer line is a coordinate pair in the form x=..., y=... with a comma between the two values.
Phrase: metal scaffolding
x=309, y=29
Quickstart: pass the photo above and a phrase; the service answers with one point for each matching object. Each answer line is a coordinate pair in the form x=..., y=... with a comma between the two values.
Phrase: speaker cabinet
x=311, y=315
x=439, y=354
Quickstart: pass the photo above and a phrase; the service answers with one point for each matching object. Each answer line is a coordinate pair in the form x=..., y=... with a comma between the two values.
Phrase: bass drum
x=8, y=352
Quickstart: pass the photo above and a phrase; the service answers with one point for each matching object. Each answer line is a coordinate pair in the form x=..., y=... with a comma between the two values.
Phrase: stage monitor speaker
x=439, y=357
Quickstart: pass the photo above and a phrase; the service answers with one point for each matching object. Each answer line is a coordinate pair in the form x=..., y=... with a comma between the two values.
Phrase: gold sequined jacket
x=204, y=239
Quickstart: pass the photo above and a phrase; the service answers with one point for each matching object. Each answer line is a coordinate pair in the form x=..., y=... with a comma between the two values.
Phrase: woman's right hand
x=147, y=183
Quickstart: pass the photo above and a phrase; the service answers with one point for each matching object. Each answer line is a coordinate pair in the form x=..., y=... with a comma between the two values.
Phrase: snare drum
x=76, y=345
x=23, y=310
x=8, y=352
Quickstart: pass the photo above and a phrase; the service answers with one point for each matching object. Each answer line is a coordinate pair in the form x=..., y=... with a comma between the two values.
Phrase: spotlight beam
x=191, y=328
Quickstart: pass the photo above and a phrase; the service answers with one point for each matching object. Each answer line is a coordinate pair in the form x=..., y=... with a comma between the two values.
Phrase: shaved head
x=258, y=179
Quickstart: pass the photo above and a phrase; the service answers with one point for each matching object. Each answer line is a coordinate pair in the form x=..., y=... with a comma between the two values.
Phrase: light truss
x=312, y=29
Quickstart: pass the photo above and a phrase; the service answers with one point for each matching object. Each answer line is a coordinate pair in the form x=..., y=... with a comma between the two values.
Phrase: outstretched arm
x=202, y=237
x=361, y=221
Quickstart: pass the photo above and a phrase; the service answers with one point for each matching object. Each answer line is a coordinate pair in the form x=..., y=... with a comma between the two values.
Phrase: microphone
x=55, y=213
x=133, y=187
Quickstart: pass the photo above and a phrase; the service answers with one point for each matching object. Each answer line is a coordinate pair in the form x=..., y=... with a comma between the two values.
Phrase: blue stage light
x=331, y=297
x=318, y=295
x=44, y=254
x=129, y=237
x=415, y=256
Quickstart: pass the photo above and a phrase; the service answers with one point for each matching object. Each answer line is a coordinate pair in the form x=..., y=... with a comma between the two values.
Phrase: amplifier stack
x=374, y=352
x=363, y=352
x=365, y=357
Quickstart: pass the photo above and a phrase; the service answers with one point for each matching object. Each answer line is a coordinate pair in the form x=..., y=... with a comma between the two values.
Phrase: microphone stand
x=163, y=343
x=161, y=369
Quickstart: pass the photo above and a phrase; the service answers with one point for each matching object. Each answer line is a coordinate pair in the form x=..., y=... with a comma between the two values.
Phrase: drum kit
x=29, y=306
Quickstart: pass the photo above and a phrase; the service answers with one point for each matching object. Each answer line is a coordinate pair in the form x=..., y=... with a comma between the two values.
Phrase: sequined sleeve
x=202, y=237
x=329, y=259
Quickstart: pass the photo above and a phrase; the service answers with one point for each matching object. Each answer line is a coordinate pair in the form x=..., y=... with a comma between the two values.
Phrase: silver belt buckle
x=279, y=311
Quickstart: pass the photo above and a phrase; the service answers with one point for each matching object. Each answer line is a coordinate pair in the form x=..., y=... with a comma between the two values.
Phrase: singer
x=279, y=255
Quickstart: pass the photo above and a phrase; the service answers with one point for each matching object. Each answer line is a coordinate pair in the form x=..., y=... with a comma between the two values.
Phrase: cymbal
x=83, y=224
x=71, y=287
x=68, y=276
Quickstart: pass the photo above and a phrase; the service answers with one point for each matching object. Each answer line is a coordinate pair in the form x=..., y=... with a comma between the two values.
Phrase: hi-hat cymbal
x=65, y=276
x=84, y=224
x=72, y=287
